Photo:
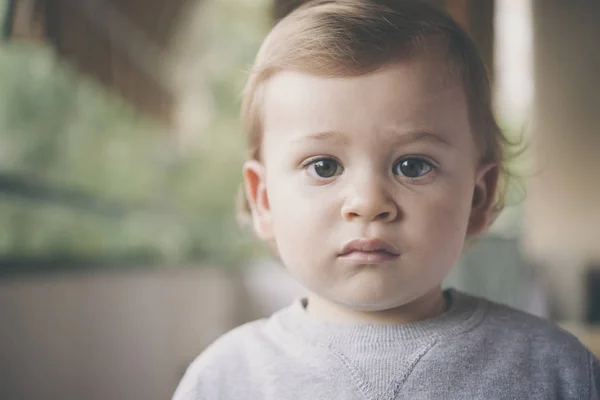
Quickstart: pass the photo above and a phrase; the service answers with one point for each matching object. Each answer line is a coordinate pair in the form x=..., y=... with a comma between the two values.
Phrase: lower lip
x=369, y=257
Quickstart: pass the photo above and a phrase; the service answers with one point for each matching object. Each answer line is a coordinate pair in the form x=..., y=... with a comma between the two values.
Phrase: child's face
x=387, y=157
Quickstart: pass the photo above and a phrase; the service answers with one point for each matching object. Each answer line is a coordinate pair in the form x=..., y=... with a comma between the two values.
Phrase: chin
x=373, y=302
x=374, y=293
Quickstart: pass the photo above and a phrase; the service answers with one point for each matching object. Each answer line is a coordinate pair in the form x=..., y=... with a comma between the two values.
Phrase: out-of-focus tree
x=84, y=175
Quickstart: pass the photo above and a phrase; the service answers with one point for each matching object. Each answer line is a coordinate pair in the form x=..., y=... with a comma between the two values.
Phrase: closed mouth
x=369, y=251
x=370, y=257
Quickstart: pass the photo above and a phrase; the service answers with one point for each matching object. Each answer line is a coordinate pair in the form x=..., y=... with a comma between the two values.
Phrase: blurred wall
x=562, y=221
x=114, y=335
x=129, y=335
x=563, y=214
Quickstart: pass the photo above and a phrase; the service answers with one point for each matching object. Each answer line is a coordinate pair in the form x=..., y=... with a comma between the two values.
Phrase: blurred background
x=120, y=157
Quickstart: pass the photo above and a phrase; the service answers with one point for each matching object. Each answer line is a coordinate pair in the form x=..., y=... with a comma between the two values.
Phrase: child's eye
x=413, y=167
x=325, y=168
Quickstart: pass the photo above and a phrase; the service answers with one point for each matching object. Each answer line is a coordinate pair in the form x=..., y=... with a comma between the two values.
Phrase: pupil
x=411, y=169
x=325, y=168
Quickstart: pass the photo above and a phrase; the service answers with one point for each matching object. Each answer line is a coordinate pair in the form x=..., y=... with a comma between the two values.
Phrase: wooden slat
x=477, y=18
x=26, y=20
x=123, y=44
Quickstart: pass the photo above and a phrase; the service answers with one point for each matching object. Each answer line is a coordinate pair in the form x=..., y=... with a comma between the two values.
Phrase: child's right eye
x=324, y=168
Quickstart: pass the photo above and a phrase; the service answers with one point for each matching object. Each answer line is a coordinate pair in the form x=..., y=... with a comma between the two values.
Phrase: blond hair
x=341, y=38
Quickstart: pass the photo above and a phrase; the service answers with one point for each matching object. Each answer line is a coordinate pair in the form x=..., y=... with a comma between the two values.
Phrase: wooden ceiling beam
x=124, y=44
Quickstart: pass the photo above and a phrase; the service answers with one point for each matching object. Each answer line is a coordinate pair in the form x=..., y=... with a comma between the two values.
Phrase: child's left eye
x=413, y=167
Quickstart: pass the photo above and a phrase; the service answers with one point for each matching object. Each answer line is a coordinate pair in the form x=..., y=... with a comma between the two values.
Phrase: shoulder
x=507, y=346
x=234, y=343
x=506, y=321
x=499, y=331
x=536, y=344
x=231, y=346
x=207, y=374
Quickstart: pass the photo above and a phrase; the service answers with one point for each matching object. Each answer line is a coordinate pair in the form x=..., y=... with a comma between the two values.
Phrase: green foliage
x=63, y=131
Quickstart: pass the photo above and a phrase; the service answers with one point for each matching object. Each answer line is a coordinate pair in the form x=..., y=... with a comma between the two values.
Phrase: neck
x=428, y=306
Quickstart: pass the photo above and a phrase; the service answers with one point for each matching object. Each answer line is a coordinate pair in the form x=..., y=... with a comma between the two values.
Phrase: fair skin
x=386, y=160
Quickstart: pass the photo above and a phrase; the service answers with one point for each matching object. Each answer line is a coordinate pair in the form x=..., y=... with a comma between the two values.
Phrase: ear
x=256, y=193
x=486, y=184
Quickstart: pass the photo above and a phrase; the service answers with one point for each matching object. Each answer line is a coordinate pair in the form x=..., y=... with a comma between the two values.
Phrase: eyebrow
x=420, y=135
x=400, y=139
x=325, y=136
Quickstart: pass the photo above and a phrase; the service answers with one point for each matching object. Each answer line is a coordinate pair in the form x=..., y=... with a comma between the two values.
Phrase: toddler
x=373, y=157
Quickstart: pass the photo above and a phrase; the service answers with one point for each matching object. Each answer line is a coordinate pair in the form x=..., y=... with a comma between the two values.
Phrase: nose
x=370, y=201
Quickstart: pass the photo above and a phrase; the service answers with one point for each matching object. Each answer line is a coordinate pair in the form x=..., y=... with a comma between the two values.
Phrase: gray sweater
x=476, y=350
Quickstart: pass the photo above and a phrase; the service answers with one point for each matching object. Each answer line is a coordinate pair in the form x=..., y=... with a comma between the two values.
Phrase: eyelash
x=313, y=161
x=308, y=162
x=422, y=159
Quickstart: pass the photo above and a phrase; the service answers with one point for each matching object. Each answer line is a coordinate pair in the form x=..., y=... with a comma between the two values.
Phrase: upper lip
x=369, y=245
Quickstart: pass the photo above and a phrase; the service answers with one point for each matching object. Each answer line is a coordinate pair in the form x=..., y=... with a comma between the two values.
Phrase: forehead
x=415, y=95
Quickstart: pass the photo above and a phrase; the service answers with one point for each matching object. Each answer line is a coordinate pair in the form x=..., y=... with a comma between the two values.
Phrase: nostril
x=369, y=215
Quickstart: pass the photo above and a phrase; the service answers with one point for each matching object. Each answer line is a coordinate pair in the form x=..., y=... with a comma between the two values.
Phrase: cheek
x=302, y=227
x=443, y=217
x=301, y=215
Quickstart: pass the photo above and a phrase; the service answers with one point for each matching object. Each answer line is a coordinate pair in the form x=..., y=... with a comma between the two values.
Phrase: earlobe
x=484, y=195
x=256, y=193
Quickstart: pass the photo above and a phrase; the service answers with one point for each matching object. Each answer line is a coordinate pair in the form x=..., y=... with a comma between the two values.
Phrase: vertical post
x=563, y=211
x=477, y=18
x=281, y=8
x=26, y=20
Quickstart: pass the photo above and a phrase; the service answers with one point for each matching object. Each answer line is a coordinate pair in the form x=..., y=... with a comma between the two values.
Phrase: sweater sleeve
x=209, y=376
x=190, y=386
x=594, y=377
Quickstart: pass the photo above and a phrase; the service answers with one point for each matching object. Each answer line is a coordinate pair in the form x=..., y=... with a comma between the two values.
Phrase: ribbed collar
x=465, y=312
